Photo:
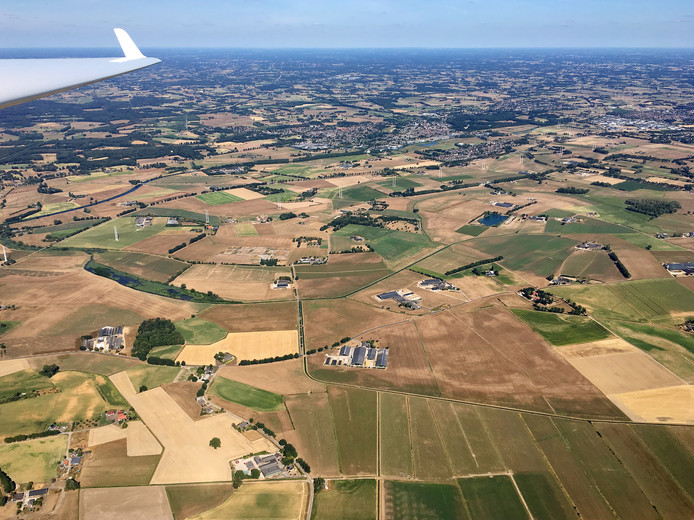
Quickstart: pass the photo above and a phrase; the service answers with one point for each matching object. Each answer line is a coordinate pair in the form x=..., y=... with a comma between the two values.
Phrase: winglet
x=128, y=45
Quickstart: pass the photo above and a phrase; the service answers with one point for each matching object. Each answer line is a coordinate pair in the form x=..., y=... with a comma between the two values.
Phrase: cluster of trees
x=153, y=360
x=49, y=370
x=8, y=485
x=360, y=219
x=620, y=266
x=601, y=184
x=287, y=216
x=267, y=360
x=177, y=247
x=652, y=207
x=543, y=297
x=572, y=190
x=155, y=332
x=268, y=261
x=38, y=435
x=481, y=270
x=473, y=264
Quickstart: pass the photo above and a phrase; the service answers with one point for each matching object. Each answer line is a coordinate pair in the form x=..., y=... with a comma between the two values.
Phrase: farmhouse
x=403, y=297
x=589, y=246
x=143, y=221
x=281, y=284
x=109, y=339
x=680, y=268
x=436, y=284
x=361, y=356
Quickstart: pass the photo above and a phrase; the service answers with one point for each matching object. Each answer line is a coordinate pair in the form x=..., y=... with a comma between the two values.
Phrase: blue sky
x=349, y=23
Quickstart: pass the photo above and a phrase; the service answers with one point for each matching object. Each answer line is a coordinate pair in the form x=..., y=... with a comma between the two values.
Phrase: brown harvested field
x=592, y=265
x=283, y=377
x=343, y=274
x=245, y=193
x=160, y=243
x=640, y=263
x=244, y=345
x=314, y=436
x=494, y=357
x=596, y=348
x=624, y=372
x=109, y=465
x=47, y=297
x=235, y=282
x=443, y=215
x=140, y=440
x=223, y=248
x=408, y=366
x=327, y=321
x=250, y=318
x=673, y=404
x=136, y=503
x=187, y=455
x=10, y=366
x=184, y=393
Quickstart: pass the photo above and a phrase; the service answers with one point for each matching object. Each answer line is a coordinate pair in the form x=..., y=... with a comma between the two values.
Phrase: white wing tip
x=128, y=45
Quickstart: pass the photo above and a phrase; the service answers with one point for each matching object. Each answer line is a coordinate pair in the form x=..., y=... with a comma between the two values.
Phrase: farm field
x=22, y=381
x=660, y=301
x=314, y=434
x=138, y=503
x=34, y=460
x=250, y=318
x=187, y=455
x=197, y=331
x=356, y=496
x=190, y=500
x=243, y=345
x=140, y=441
x=103, y=235
x=152, y=267
x=246, y=395
x=266, y=500
x=283, y=377
x=110, y=466
x=395, y=443
x=563, y=330
x=343, y=274
x=237, y=283
x=591, y=265
x=492, y=497
x=216, y=198
x=421, y=501
x=357, y=446
x=394, y=246
x=82, y=396
x=152, y=376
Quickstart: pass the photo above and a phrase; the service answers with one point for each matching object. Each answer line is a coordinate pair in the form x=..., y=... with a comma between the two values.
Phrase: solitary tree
x=215, y=442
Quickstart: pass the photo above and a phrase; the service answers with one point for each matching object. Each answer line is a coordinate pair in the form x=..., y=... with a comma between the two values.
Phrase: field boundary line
x=438, y=432
x=520, y=495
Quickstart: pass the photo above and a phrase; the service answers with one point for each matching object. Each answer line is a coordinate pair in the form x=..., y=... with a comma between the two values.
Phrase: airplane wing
x=27, y=79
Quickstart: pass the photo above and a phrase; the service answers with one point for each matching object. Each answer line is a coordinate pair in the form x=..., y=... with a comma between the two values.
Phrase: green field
x=66, y=229
x=420, y=501
x=543, y=496
x=396, y=449
x=593, y=265
x=246, y=230
x=102, y=235
x=393, y=246
x=589, y=226
x=215, y=198
x=90, y=318
x=450, y=258
x=53, y=208
x=151, y=376
x=357, y=446
x=471, y=230
x=6, y=326
x=354, y=497
x=152, y=267
x=638, y=300
x=33, y=461
x=158, y=211
x=492, y=498
x=200, y=332
x=82, y=396
x=560, y=329
x=538, y=254
x=401, y=183
x=643, y=240
x=362, y=193
x=246, y=395
x=166, y=352
x=24, y=381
